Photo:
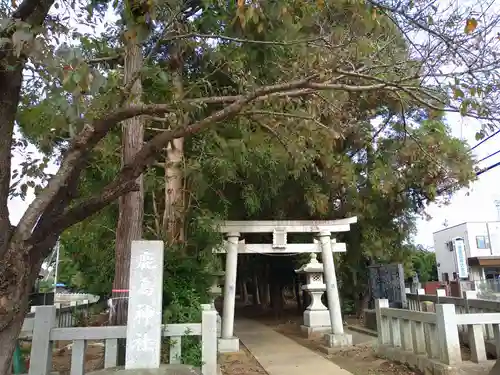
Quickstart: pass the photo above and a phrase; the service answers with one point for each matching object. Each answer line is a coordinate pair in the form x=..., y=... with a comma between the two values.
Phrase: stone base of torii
x=335, y=336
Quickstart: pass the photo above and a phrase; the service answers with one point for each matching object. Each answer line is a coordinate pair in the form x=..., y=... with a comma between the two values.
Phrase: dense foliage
x=424, y=265
x=299, y=109
x=361, y=154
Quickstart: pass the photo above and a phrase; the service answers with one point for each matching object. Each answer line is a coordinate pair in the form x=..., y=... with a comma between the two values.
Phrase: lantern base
x=315, y=331
x=317, y=318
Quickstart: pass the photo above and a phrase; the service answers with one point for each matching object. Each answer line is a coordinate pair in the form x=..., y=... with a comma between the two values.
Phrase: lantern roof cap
x=312, y=267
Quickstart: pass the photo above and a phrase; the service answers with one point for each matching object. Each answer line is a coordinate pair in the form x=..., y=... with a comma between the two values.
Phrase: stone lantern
x=316, y=315
x=216, y=291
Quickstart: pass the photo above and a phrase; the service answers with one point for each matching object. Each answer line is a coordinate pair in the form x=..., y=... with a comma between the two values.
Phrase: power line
x=489, y=156
x=488, y=168
x=485, y=139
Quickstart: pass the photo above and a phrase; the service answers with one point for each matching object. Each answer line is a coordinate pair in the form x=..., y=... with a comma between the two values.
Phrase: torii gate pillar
x=229, y=343
x=337, y=338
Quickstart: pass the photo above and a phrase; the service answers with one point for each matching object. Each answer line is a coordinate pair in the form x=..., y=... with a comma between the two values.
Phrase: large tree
x=68, y=95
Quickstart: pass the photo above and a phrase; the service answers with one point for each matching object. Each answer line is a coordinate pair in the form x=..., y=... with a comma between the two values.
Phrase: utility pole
x=56, y=268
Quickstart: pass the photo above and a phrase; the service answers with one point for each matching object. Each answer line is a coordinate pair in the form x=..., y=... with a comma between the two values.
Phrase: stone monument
x=145, y=305
x=316, y=315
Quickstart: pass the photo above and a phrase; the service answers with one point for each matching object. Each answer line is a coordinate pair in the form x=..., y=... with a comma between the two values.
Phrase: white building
x=468, y=251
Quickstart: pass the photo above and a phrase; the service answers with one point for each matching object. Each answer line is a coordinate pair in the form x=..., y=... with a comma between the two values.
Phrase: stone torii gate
x=324, y=245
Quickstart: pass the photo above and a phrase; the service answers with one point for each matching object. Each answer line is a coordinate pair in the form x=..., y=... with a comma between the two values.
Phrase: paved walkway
x=280, y=355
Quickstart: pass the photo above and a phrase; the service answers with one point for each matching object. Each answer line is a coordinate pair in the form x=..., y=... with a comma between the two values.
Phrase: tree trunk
x=131, y=205
x=14, y=275
x=296, y=288
x=256, y=294
x=264, y=291
x=244, y=293
x=10, y=87
x=277, y=299
x=173, y=217
x=17, y=276
x=267, y=291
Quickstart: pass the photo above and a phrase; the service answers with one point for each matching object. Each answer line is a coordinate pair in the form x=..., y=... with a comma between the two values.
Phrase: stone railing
x=45, y=333
x=430, y=341
x=470, y=303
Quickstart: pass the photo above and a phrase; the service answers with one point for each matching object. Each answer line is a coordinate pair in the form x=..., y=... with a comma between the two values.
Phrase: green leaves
x=458, y=93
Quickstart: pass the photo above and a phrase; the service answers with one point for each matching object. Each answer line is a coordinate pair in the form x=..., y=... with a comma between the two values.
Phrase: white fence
x=67, y=298
x=45, y=333
x=469, y=303
x=65, y=316
x=430, y=341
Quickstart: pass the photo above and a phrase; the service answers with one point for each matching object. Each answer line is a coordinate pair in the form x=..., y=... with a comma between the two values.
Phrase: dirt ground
x=359, y=360
x=241, y=363
x=94, y=358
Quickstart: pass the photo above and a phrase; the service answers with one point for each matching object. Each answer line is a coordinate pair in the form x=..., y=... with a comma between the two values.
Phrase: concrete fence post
x=383, y=327
x=407, y=303
x=470, y=294
x=41, y=346
x=208, y=340
x=449, y=344
x=467, y=295
x=441, y=292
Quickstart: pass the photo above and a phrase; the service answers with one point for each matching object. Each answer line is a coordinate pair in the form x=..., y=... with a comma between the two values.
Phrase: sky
x=473, y=204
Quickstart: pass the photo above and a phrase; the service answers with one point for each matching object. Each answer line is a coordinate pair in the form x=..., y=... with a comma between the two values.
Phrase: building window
x=482, y=242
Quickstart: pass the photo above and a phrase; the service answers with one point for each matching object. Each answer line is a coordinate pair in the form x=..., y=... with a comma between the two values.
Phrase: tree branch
x=147, y=154
x=118, y=58
x=94, y=132
x=57, y=206
x=248, y=41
